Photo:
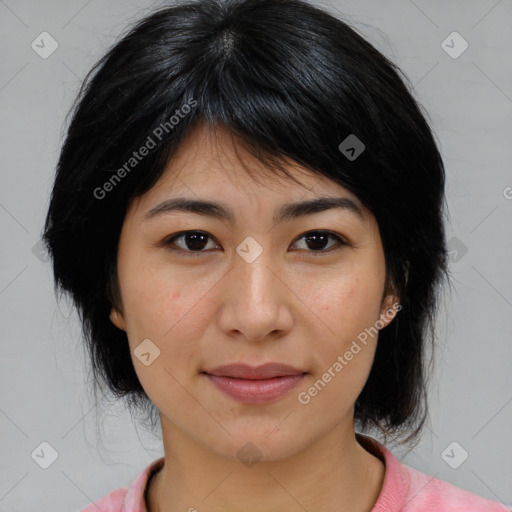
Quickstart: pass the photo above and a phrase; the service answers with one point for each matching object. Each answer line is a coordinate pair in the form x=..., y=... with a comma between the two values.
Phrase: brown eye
x=318, y=240
x=193, y=241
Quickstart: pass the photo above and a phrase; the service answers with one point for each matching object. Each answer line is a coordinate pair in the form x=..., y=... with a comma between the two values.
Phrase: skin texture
x=292, y=305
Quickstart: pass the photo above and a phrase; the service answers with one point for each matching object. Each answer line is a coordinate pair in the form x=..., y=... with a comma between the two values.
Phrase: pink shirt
x=404, y=489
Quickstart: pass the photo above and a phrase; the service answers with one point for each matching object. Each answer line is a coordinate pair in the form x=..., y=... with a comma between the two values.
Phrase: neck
x=335, y=473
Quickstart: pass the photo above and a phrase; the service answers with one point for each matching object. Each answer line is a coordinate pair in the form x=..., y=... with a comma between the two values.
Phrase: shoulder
x=112, y=502
x=406, y=489
x=429, y=493
x=127, y=499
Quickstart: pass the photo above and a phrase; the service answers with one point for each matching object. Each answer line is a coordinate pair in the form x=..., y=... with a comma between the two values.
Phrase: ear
x=117, y=318
x=389, y=309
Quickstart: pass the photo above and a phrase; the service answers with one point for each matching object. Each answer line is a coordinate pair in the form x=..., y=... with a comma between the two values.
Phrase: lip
x=256, y=391
x=255, y=385
x=264, y=371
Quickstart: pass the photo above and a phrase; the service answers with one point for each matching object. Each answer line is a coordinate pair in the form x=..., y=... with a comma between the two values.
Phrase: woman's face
x=253, y=290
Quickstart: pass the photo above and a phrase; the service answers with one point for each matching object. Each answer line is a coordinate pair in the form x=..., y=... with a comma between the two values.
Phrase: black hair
x=291, y=82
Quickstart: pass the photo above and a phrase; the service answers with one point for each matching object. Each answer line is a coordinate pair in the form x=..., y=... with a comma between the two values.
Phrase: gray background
x=42, y=368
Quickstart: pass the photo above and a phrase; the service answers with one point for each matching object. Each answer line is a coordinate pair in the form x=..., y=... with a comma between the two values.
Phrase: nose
x=256, y=299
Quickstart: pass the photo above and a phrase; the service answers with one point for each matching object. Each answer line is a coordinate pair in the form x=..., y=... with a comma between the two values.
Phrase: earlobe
x=116, y=317
x=389, y=310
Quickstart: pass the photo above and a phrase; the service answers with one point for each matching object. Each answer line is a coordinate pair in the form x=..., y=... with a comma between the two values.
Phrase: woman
x=248, y=213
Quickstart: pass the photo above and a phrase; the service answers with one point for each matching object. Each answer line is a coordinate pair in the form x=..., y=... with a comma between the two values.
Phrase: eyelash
x=172, y=238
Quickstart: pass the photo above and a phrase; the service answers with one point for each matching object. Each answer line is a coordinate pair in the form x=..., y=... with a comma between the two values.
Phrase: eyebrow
x=286, y=212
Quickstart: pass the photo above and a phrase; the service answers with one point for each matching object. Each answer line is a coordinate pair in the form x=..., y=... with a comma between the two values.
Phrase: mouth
x=255, y=385
x=244, y=371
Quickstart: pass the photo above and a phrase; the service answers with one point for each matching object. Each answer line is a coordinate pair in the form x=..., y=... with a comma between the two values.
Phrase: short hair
x=291, y=82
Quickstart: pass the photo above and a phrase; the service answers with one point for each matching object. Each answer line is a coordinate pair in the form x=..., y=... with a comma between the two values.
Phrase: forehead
x=211, y=162
x=212, y=154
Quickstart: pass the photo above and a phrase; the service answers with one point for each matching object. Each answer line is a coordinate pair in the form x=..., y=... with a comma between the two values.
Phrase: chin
x=255, y=445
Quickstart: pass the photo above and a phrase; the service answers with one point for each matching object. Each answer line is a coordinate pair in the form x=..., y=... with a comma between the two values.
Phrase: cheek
x=346, y=303
x=158, y=308
x=147, y=301
x=168, y=308
x=150, y=291
x=348, y=309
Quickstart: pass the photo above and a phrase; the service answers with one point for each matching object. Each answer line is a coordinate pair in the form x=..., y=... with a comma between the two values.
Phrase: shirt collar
x=392, y=496
x=135, y=499
x=395, y=487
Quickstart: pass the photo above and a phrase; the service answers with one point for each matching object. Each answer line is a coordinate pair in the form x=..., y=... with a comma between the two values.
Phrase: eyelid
x=171, y=238
x=341, y=241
